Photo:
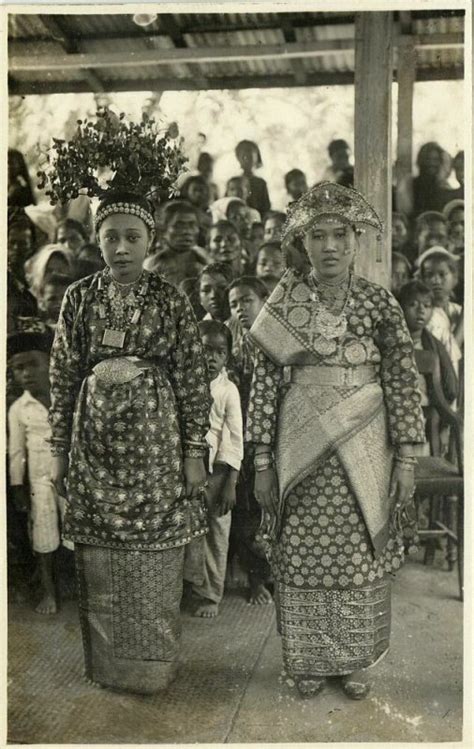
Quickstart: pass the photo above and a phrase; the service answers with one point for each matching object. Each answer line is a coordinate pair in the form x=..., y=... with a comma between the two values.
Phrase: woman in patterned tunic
x=129, y=414
x=334, y=416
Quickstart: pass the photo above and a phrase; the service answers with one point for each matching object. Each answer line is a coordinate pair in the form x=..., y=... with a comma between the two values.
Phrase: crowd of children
x=225, y=254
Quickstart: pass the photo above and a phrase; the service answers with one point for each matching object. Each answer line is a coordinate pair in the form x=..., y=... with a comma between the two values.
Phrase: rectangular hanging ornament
x=113, y=338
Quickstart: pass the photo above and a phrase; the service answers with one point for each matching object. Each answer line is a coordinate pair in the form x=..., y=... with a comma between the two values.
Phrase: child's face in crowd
x=57, y=264
x=273, y=229
x=456, y=227
x=400, y=275
x=224, y=245
x=198, y=194
x=245, y=305
x=51, y=300
x=234, y=189
x=239, y=216
x=256, y=234
x=439, y=277
x=270, y=266
x=247, y=157
x=70, y=238
x=216, y=353
x=297, y=186
x=418, y=312
x=20, y=246
x=213, y=295
x=182, y=232
x=31, y=371
x=399, y=233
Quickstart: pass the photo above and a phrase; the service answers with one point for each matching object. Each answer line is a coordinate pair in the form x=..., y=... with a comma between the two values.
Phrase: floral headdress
x=328, y=201
x=125, y=164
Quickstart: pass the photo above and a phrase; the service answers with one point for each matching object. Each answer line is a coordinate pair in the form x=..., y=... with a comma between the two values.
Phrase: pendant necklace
x=330, y=325
x=120, y=310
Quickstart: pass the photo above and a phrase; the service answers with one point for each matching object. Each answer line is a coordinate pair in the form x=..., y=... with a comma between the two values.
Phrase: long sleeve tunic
x=127, y=441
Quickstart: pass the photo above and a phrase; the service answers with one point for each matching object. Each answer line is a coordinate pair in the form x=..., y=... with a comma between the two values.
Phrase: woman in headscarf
x=129, y=415
x=49, y=260
x=334, y=417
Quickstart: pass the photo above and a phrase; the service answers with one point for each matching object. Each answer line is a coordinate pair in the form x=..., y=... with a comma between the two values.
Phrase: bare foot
x=47, y=605
x=259, y=595
x=207, y=610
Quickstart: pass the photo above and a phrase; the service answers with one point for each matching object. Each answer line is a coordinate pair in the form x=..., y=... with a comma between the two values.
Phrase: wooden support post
x=372, y=141
x=406, y=74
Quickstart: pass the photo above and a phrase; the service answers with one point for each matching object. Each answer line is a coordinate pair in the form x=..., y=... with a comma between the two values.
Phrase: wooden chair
x=437, y=478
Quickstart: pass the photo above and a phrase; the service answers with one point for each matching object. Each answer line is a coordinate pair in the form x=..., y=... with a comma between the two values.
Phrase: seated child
x=225, y=246
x=270, y=264
x=212, y=284
x=247, y=296
x=438, y=270
x=273, y=225
x=50, y=297
x=207, y=557
x=416, y=301
x=28, y=447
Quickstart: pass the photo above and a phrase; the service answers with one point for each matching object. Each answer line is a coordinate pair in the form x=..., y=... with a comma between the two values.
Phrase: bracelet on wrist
x=259, y=469
x=194, y=452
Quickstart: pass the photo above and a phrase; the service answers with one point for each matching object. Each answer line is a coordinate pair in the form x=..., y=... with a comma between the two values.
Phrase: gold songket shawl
x=315, y=420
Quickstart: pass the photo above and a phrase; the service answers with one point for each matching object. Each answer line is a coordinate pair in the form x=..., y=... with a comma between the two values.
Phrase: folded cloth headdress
x=452, y=206
x=436, y=250
x=328, y=200
x=124, y=164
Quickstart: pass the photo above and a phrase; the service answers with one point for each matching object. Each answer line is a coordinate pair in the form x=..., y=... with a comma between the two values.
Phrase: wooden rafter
x=142, y=58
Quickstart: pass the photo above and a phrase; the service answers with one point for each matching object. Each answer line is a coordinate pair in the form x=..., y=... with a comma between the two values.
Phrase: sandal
x=310, y=686
x=355, y=687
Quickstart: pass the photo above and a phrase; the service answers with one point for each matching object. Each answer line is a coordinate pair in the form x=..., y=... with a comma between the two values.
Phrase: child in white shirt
x=28, y=448
x=207, y=557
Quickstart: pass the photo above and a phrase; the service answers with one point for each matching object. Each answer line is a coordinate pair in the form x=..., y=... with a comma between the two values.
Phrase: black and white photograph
x=238, y=316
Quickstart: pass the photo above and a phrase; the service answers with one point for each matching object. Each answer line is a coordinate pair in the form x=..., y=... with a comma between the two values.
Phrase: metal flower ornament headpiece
x=110, y=154
x=328, y=200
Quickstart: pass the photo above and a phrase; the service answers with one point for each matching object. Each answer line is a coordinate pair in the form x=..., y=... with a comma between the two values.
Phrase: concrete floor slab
x=231, y=687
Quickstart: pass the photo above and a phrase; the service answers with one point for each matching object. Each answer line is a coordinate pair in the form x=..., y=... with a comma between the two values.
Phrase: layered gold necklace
x=332, y=300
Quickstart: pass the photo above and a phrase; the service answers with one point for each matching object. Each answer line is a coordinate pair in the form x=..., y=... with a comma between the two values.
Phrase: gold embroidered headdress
x=125, y=164
x=328, y=200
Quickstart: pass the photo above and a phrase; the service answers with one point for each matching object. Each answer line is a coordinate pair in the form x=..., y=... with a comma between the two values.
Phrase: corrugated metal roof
x=34, y=37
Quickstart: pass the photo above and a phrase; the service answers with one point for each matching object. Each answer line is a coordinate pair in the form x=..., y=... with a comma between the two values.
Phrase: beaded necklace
x=331, y=325
x=120, y=310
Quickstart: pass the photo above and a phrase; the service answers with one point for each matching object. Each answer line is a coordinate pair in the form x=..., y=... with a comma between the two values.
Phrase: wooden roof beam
x=156, y=84
x=56, y=28
x=140, y=58
x=290, y=38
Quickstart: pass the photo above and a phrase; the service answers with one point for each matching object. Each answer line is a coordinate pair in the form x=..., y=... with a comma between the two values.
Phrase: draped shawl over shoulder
x=361, y=423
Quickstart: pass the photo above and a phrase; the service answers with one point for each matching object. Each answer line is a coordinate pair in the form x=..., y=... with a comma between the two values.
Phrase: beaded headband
x=123, y=207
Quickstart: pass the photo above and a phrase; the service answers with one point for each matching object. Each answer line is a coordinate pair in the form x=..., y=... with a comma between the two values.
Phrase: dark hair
x=337, y=145
x=440, y=257
x=244, y=144
x=234, y=201
x=17, y=166
x=189, y=181
x=411, y=290
x=275, y=214
x=253, y=283
x=459, y=157
x=426, y=148
x=293, y=174
x=71, y=223
x=224, y=223
x=204, y=159
x=214, y=327
x=56, y=279
x=273, y=246
x=173, y=208
x=217, y=269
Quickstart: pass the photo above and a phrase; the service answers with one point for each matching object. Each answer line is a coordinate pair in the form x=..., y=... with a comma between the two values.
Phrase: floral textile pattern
x=127, y=441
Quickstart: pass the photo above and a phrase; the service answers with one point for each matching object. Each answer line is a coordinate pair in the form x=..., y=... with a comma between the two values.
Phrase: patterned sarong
x=129, y=611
